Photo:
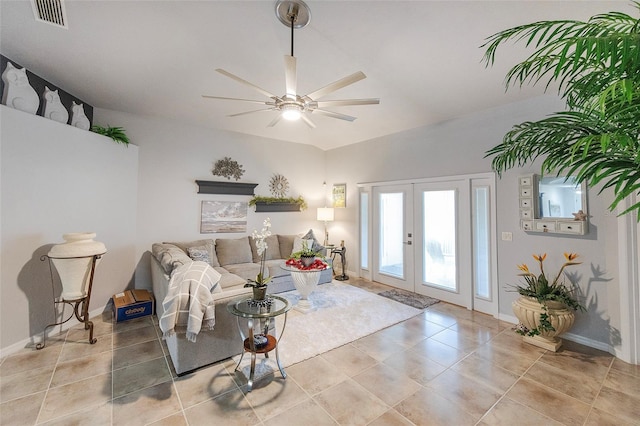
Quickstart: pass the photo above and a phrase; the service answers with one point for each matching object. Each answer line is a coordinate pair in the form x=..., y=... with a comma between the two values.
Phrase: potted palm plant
x=596, y=65
x=545, y=308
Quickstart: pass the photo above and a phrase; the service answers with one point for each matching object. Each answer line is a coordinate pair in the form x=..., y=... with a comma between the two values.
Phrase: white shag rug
x=344, y=313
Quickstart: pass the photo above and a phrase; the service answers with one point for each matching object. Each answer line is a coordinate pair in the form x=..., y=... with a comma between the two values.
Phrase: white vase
x=528, y=311
x=73, y=259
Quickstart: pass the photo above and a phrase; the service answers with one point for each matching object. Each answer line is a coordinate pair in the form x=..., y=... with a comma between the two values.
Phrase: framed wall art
x=223, y=217
x=339, y=195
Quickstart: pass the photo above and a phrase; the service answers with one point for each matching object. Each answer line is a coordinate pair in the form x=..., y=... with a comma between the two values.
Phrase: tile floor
x=446, y=366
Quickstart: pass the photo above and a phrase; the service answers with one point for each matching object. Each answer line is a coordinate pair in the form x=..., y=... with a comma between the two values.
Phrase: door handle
x=407, y=243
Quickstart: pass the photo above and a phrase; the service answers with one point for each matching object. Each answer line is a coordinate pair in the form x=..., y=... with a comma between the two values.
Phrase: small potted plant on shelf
x=259, y=285
x=545, y=309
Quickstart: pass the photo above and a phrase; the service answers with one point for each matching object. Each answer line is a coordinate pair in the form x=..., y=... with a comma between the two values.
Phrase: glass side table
x=261, y=315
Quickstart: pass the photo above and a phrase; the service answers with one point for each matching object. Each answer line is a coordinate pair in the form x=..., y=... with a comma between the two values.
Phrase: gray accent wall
x=58, y=179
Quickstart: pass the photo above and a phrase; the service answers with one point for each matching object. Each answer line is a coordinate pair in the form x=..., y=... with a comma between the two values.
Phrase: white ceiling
x=156, y=58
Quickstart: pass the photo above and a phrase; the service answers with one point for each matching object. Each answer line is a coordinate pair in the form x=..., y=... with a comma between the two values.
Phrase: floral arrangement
x=317, y=265
x=538, y=287
x=261, y=245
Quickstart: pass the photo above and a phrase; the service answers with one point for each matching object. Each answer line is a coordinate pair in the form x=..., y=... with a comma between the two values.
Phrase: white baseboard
x=33, y=340
x=508, y=318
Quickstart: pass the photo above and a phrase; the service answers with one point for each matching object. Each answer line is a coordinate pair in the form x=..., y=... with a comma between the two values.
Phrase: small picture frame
x=339, y=195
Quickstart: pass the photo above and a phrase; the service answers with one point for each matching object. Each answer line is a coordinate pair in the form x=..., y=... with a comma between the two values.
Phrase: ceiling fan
x=291, y=106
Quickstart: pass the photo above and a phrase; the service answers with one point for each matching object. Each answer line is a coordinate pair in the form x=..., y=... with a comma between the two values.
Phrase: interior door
x=393, y=236
x=443, y=241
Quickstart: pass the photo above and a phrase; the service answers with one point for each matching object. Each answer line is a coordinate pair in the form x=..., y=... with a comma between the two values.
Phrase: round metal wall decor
x=279, y=186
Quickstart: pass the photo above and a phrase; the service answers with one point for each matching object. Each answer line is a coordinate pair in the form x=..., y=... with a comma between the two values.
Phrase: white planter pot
x=72, y=260
x=528, y=311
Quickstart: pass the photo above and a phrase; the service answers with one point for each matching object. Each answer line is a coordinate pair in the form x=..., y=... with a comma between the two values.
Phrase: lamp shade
x=325, y=213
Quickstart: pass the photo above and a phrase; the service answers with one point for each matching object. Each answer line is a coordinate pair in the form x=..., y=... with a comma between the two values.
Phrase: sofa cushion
x=273, y=249
x=286, y=245
x=169, y=256
x=228, y=280
x=199, y=253
x=274, y=267
x=248, y=270
x=208, y=243
x=233, y=251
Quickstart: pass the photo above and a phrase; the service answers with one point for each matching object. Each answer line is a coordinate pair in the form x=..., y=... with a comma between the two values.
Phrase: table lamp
x=325, y=214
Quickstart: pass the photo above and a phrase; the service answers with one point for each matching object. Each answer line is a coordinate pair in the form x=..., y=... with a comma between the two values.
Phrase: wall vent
x=50, y=11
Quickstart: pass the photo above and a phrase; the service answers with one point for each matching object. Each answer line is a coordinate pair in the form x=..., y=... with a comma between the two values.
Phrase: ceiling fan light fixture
x=291, y=112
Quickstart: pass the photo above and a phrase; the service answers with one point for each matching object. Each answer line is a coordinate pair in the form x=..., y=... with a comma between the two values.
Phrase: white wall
x=174, y=155
x=57, y=179
x=458, y=147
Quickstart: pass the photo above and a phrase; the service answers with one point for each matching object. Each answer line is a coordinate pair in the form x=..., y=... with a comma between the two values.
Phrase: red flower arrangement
x=317, y=265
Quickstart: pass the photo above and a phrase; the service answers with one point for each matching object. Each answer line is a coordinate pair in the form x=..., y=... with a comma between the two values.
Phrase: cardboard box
x=132, y=304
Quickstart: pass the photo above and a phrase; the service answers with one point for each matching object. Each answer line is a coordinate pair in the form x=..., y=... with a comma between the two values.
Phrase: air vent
x=50, y=11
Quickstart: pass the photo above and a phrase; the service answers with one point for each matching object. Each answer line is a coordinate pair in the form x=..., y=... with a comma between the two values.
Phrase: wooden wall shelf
x=235, y=188
x=277, y=207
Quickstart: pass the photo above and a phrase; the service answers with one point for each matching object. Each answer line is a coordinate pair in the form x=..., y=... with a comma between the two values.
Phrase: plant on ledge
x=597, y=67
x=539, y=288
x=272, y=200
x=115, y=133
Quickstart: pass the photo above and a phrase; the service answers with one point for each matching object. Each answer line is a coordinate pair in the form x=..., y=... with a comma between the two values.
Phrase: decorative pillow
x=231, y=251
x=200, y=253
x=286, y=245
x=273, y=249
x=169, y=256
x=317, y=247
x=298, y=244
x=208, y=243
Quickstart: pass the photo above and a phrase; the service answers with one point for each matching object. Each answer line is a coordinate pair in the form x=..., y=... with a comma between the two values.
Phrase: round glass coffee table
x=260, y=315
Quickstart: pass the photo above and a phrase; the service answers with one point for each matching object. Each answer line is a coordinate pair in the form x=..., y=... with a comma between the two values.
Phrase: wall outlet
x=507, y=236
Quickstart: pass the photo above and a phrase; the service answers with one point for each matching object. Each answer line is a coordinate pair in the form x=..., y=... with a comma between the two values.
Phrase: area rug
x=344, y=313
x=408, y=298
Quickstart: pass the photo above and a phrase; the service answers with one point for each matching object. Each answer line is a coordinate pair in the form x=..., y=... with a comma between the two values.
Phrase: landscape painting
x=223, y=217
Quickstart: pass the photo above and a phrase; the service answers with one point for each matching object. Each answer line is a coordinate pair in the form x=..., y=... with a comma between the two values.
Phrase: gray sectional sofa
x=237, y=261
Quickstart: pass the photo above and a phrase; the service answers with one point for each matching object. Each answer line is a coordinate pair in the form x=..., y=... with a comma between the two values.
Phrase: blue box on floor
x=132, y=304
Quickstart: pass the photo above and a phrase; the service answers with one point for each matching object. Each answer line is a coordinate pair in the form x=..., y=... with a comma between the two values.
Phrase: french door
x=433, y=237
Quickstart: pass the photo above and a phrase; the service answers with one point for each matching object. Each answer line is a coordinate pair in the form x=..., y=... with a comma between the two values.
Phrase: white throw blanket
x=189, y=305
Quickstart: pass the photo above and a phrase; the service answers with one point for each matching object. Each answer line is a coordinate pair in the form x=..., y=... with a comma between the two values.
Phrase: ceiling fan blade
x=275, y=121
x=250, y=112
x=238, y=99
x=291, y=75
x=243, y=81
x=334, y=114
x=343, y=82
x=344, y=102
x=308, y=121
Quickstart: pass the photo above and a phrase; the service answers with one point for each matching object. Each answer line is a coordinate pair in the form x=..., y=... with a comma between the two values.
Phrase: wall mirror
x=553, y=204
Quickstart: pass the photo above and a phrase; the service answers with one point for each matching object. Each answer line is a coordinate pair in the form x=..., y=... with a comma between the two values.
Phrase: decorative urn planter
x=528, y=311
x=73, y=260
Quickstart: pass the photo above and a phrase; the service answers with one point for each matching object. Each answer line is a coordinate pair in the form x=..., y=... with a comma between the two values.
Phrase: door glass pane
x=391, y=232
x=481, y=248
x=439, y=239
x=364, y=230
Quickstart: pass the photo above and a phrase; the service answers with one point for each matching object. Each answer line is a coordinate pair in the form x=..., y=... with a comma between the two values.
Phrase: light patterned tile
x=457, y=340
x=30, y=360
x=315, y=375
x=549, y=402
x=134, y=336
x=305, y=413
x=349, y=359
x=425, y=404
x=598, y=417
x=439, y=352
x=626, y=383
x=204, y=384
x=415, y=365
x=578, y=385
x=391, y=418
x=136, y=353
x=139, y=376
x=618, y=403
x=177, y=419
x=93, y=416
x=506, y=411
x=229, y=409
x=396, y=386
x=486, y=373
x=81, y=368
x=25, y=383
x=275, y=397
x=146, y=405
x=21, y=411
x=76, y=396
x=74, y=350
x=351, y=404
